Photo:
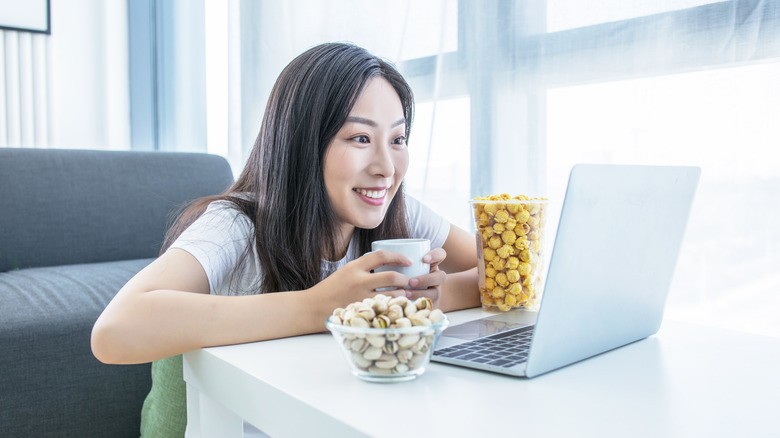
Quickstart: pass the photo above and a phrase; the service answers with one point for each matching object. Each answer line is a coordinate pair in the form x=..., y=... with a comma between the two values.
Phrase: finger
x=436, y=256
x=386, y=279
x=435, y=278
x=376, y=259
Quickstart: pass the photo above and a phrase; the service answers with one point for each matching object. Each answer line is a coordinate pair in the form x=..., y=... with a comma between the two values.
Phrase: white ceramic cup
x=414, y=249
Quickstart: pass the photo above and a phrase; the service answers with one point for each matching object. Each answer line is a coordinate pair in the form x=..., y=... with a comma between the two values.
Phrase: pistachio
x=390, y=347
x=392, y=336
x=387, y=361
x=367, y=313
x=410, y=309
x=404, y=355
x=420, y=347
x=419, y=320
x=376, y=340
x=400, y=368
x=403, y=323
x=359, y=321
x=358, y=345
x=334, y=319
x=423, y=313
x=416, y=361
x=360, y=361
x=372, y=353
x=394, y=312
x=381, y=321
x=436, y=316
x=379, y=307
x=401, y=301
x=423, y=303
x=377, y=370
x=407, y=341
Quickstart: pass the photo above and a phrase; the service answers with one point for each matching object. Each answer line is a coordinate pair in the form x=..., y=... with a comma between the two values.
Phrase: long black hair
x=282, y=188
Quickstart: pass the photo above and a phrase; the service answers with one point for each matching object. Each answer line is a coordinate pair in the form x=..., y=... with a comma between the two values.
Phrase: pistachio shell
x=423, y=313
x=404, y=355
x=436, y=316
x=407, y=341
x=423, y=303
x=390, y=347
x=419, y=320
x=421, y=346
x=376, y=340
x=358, y=345
x=400, y=368
x=401, y=301
x=410, y=309
x=360, y=361
x=381, y=321
x=394, y=312
x=403, y=323
x=387, y=361
x=359, y=321
x=416, y=361
x=377, y=370
x=372, y=353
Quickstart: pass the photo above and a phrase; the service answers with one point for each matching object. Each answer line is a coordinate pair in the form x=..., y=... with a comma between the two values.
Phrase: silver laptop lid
x=615, y=251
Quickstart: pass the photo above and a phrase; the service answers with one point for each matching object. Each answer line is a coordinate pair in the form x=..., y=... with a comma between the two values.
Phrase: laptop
x=611, y=266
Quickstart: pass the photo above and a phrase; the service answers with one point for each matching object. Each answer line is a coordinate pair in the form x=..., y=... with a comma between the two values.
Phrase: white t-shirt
x=219, y=238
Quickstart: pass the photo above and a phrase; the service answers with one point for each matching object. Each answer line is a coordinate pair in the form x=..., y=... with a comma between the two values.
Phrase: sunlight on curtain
x=511, y=94
x=570, y=14
x=275, y=32
x=725, y=121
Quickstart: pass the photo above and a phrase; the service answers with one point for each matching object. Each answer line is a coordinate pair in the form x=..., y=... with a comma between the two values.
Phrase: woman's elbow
x=105, y=347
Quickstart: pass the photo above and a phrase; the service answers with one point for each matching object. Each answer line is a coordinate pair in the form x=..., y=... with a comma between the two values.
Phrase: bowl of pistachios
x=387, y=339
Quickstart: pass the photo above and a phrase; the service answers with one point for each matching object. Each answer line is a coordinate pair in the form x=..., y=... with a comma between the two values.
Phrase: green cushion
x=165, y=409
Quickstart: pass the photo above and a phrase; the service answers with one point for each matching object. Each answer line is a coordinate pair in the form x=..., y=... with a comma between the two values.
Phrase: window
x=511, y=94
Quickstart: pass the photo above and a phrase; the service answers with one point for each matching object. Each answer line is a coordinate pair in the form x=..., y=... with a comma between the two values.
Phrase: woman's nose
x=382, y=162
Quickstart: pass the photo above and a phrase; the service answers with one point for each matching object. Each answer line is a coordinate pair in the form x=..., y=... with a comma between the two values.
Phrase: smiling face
x=366, y=161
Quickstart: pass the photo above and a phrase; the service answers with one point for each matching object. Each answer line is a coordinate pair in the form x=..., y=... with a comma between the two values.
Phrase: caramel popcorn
x=510, y=231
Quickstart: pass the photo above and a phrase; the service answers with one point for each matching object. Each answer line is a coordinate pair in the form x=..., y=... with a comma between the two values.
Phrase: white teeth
x=371, y=193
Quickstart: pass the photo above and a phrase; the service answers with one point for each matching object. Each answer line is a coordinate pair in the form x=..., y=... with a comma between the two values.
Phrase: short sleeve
x=218, y=239
x=424, y=223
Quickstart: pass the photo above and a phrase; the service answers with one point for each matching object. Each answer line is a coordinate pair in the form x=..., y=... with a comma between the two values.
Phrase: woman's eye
x=361, y=139
x=400, y=140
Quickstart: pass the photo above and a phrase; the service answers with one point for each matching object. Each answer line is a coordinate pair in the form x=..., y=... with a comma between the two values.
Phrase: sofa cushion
x=49, y=380
x=86, y=206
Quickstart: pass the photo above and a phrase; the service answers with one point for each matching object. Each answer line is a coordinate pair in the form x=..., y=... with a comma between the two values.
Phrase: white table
x=687, y=380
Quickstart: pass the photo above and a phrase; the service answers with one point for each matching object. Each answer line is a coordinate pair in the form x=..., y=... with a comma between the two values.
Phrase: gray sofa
x=75, y=225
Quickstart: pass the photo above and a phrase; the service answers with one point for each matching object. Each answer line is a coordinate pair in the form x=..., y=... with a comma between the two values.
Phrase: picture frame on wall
x=26, y=15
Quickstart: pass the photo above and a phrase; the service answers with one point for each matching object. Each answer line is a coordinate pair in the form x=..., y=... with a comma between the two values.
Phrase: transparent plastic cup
x=511, y=252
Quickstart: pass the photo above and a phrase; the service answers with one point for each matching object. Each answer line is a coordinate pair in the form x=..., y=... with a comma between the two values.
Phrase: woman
x=283, y=247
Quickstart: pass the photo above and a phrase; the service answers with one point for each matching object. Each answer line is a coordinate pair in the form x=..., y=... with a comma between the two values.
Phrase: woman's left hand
x=429, y=285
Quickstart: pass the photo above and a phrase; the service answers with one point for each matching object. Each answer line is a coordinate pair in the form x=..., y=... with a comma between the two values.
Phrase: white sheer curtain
x=511, y=94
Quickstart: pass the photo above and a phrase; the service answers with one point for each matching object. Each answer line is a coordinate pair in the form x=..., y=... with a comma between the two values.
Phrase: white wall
x=86, y=78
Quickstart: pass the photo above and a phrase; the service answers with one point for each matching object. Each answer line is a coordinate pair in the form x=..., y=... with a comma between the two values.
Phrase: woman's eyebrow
x=373, y=124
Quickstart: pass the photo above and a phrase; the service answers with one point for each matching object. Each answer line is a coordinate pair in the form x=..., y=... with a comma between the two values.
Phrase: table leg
x=206, y=418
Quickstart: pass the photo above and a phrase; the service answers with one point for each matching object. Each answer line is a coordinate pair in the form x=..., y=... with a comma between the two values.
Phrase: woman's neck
x=342, y=241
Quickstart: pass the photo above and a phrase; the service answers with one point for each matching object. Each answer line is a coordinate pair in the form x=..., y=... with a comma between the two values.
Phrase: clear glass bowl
x=387, y=355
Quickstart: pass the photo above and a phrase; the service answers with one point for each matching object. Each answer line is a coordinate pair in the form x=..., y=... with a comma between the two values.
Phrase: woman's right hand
x=355, y=281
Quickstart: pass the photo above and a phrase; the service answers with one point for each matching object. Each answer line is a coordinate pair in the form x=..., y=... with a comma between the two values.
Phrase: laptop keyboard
x=504, y=350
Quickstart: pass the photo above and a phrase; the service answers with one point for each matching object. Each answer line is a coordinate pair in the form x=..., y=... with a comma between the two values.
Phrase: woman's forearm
x=162, y=323
x=460, y=291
